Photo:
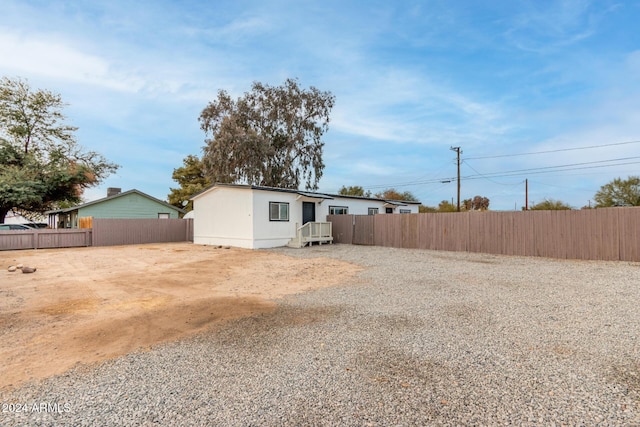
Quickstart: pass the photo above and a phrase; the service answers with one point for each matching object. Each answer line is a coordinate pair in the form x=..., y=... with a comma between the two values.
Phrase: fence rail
x=593, y=234
x=105, y=232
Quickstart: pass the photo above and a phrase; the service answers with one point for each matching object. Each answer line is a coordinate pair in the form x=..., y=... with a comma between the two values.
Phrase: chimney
x=112, y=191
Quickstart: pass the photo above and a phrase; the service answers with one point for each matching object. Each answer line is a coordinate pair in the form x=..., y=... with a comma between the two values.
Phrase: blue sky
x=411, y=79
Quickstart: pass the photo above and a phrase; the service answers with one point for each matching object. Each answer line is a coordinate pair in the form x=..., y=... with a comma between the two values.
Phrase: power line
x=407, y=183
x=564, y=187
x=556, y=169
x=433, y=174
x=516, y=172
x=489, y=179
x=530, y=171
x=552, y=151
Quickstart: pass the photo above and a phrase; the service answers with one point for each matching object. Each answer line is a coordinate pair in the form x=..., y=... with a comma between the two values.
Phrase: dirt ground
x=86, y=305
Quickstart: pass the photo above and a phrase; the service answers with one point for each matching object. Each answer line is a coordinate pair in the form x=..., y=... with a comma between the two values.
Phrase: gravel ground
x=418, y=338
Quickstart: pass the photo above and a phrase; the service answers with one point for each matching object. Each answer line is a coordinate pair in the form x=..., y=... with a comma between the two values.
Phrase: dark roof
x=314, y=195
x=308, y=194
x=115, y=196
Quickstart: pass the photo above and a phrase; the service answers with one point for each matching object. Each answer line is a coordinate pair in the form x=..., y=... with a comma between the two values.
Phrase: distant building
x=130, y=204
x=17, y=218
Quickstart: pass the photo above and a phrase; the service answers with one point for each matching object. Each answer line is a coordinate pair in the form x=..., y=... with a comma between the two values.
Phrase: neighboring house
x=130, y=204
x=14, y=217
x=264, y=217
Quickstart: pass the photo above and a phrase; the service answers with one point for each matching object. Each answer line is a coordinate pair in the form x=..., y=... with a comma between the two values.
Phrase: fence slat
x=363, y=230
x=342, y=228
x=630, y=234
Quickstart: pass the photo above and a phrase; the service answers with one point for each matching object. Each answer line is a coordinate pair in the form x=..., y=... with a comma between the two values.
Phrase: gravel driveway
x=418, y=338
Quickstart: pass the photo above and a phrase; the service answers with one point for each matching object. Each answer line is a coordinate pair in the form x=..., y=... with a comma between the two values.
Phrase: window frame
x=405, y=211
x=164, y=215
x=373, y=211
x=280, y=218
x=333, y=208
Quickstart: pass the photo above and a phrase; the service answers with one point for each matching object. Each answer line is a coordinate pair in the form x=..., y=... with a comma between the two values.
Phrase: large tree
x=354, y=190
x=41, y=164
x=478, y=203
x=619, y=192
x=445, y=206
x=427, y=209
x=550, y=205
x=191, y=178
x=270, y=136
x=393, y=194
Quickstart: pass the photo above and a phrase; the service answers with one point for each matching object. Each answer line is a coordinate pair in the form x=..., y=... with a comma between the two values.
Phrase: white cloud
x=373, y=168
x=44, y=55
x=243, y=27
x=404, y=107
x=547, y=27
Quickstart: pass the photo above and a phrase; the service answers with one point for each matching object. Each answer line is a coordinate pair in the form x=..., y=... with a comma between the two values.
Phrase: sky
x=543, y=91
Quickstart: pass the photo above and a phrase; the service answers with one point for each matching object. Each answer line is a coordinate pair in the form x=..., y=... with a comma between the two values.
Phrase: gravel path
x=418, y=338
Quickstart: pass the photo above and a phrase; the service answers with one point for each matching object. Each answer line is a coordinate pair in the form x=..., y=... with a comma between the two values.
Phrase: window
x=373, y=211
x=338, y=210
x=162, y=215
x=278, y=211
x=405, y=210
x=388, y=210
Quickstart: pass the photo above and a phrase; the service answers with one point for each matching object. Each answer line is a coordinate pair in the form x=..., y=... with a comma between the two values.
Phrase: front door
x=308, y=212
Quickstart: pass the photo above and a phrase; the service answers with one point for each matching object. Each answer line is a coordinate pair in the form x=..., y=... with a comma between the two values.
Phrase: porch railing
x=310, y=232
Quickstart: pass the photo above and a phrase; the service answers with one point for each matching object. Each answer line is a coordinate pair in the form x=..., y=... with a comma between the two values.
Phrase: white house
x=264, y=217
x=14, y=217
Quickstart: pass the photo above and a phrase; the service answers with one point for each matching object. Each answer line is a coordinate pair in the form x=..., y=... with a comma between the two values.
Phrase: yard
x=85, y=305
x=328, y=335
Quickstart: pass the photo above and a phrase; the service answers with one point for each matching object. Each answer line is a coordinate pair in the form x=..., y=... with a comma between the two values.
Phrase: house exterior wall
x=359, y=207
x=354, y=206
x=410, y=208
x=224, y=216
x=128, y=206
x=271, y=234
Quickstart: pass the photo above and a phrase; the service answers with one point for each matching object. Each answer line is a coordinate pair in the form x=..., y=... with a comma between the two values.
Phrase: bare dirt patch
x=86, y=305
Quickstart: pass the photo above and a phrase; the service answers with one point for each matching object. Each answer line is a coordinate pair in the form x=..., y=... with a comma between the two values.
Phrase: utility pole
x=457, y=150
x=526, y=196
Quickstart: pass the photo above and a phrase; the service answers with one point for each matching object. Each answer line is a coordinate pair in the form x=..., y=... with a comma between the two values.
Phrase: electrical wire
x=530, y=171
x=489, y=179
x=541, y=170
x=552, y=151
x=516, y=172
x=561, y=186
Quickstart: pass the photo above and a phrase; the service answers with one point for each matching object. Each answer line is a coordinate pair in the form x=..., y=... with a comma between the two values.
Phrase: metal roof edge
x=301, y=192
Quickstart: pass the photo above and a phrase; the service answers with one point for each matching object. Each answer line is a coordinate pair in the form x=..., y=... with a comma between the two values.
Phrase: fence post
x=353, y=228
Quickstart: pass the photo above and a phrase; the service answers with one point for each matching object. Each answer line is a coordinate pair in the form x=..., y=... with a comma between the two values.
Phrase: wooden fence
x=111, y=232
x=44, y=238
x=85, y=222
x=105, y=232
x=596, y=234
